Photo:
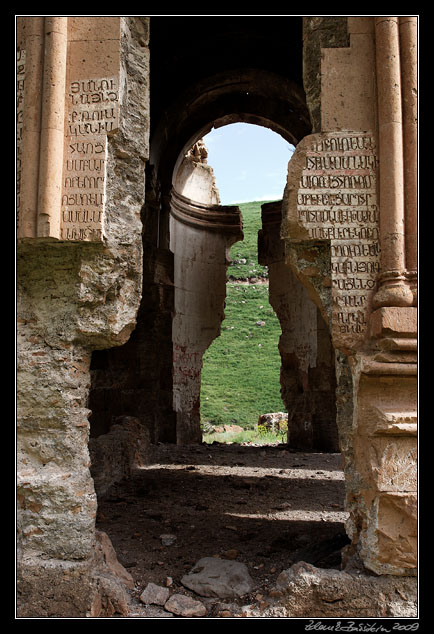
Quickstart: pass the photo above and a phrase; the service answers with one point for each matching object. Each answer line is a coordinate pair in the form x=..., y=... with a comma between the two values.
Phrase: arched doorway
x=148, y=381
x=137, y=379
x=201, y=236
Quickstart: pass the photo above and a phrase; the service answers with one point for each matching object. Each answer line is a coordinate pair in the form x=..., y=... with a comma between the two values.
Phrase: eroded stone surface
x=74, y=298
x=185, y=606
x=313, y=592
x=115, y=454
x=83, y=89
x=331, y=198
x=213, y=577
x=154, y=594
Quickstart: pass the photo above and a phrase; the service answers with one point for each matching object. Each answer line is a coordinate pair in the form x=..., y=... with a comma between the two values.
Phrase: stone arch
x=243, y=95
x=137, y=379
x=273, y=101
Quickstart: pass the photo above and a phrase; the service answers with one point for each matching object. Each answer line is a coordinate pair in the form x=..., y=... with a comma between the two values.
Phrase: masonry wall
x=135, y=379
x=348, y=237
x=95, y=276
x=308, y=374
x=75, y=297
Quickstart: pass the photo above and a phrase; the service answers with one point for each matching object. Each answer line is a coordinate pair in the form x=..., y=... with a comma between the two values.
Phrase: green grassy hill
x=241, y=369
x=244, y=254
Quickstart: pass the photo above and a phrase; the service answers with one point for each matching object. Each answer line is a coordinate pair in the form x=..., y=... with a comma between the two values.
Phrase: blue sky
x=250, y=162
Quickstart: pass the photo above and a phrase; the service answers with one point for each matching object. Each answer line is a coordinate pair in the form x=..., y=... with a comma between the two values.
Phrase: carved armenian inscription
x=336, y=200
x=21, y=71
x=92, y=114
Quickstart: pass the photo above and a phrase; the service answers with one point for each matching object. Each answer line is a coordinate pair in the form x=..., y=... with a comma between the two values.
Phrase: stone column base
x=96, y=587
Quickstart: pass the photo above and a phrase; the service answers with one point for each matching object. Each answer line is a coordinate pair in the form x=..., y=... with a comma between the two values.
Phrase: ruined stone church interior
x=122, y=265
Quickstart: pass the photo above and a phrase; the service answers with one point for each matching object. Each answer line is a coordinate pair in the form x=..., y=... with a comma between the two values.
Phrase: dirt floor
x=265, y=506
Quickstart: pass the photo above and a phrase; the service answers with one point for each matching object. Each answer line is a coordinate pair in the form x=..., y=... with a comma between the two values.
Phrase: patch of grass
x=241, y=369
x=244, y=254
x=250, y=436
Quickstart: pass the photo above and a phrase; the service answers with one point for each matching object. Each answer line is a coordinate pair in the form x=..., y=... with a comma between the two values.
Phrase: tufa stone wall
x=97, y=282
x=307, y=374
x=76, y=296
x=345, y=231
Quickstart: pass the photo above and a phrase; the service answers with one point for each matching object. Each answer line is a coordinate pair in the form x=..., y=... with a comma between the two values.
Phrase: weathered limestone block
x=56, y=499
x=331, y=200
x=319, y=33
x=154, y=594
x=277, y=422
x=213, y=577
x=57, y=514
x=94, y=587
x=310, y=592
x=348, y=95
x=184, y=606
x=389, y=462
x=389, y=545
x=399, y=322
x=385, y=457
x=68, y=584
x=74, y=296
x=114, y=455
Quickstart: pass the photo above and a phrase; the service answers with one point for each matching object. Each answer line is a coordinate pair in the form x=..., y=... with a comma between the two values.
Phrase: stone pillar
x=387, y=423
x=52, y=127
x=200, y=238
x=408, y=56
x=385, y=445
x=344, y=206
x=307, y=373
x=393, y=290
x=76, y=291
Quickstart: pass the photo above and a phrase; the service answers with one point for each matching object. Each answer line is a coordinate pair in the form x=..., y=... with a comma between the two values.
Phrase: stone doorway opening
x=269, y=372
x=179, y=499
x=241, y=368
x=222, y=309
x=184, y=498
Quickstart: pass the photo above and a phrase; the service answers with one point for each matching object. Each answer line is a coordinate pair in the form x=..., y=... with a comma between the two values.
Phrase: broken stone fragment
x=183, y=605
x=111, y=559
x=223, y=578
x=154, y=595
x=168, y=540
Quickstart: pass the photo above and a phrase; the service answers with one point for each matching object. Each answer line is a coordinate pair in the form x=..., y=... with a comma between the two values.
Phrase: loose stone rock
x=183, y=605
x=231, y=553
x=168, y=540
x=212, y=577
x=154, y=594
